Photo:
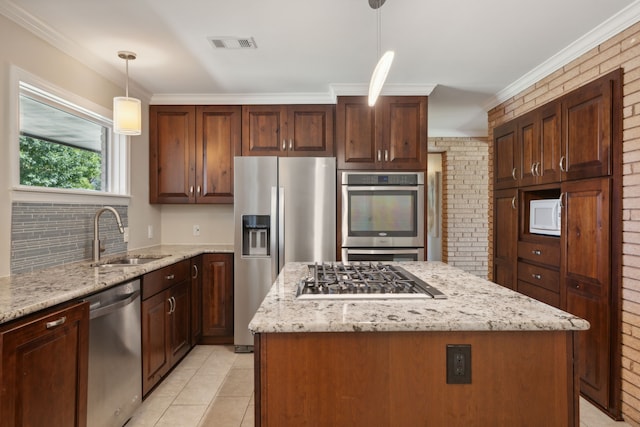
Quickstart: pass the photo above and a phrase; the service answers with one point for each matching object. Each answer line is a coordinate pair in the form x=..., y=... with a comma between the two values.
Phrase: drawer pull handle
x=53, y=324
x=513, y=174
x=386, y=155
x=284, y=144
x=563, y=161
x=533, y=169
x=170, y=277
x=195, y=272
x=379, y=155
x=513, y=203
x=291, y=145
x=536, y=276
x=536, y=252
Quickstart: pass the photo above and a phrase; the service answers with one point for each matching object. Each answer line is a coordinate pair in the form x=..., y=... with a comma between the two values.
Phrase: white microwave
x=544, y=217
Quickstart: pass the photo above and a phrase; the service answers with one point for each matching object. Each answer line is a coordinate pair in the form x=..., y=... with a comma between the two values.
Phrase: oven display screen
x=390, y=212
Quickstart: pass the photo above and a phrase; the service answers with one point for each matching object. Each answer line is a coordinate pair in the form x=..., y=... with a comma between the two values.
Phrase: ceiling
x=473, y=54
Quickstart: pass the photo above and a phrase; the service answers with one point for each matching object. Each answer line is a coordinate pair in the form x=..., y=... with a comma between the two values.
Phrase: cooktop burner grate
x=363, y=281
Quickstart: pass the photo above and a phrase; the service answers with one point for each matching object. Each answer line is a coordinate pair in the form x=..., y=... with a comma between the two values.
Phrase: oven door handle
x=381, y=251
x=384, y=187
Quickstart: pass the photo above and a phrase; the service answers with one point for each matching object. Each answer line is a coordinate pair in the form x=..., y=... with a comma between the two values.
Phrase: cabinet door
x=179, y=321
x=586, y=118
x=505, y=153
x=403, y=133
x=155, y=340
x=548, y=170
x=218, y=134
x=44, y=370
x=586, y=270
x=172, y=142
x=355, y=133
x=217, y=295
x=262, y=130
x=310, y=130
x=505, y=225
x=196, y=299
x=528, y=141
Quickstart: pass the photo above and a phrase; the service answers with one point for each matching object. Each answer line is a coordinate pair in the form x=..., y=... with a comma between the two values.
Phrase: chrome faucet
x=97, y=247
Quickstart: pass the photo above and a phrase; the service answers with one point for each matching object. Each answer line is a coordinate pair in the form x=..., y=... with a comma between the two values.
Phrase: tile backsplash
x=49, y=234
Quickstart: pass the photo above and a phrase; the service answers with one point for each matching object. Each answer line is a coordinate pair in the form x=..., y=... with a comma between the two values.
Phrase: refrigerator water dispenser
x=255, y=235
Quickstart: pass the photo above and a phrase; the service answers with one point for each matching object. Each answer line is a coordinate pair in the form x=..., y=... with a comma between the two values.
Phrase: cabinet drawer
x=543, y=253
x=539, y=276
x=161, y=279
x=539, y=293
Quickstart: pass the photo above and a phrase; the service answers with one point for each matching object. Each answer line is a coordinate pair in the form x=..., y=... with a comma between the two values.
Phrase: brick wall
x=622, y=50
x=465, y=202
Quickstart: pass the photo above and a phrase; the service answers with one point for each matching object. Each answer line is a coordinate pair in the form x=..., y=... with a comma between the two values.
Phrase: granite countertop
x=472, y=304
x=22, y=294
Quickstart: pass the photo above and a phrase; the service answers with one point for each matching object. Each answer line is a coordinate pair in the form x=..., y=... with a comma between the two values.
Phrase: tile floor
x=213, y=387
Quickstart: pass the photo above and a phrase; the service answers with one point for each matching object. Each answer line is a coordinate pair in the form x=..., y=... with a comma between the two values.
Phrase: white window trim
x=119, y=154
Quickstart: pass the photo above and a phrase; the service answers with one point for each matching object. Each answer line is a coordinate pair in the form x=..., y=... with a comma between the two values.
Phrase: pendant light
x=384, y=63
x=127, y=117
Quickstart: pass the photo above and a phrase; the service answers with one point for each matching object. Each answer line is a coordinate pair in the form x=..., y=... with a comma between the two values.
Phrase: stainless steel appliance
x=382, y=216
x=115, y=356
x=284, y=210
x=364, y=281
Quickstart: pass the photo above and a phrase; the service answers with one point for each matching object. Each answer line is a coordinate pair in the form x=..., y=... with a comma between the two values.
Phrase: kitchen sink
x=129, y=261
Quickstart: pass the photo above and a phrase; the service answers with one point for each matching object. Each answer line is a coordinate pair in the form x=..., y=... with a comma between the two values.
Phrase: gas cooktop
x=363, y=281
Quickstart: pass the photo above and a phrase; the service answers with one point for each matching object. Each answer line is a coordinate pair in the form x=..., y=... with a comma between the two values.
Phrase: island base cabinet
x=44, y=370
x=399, y=379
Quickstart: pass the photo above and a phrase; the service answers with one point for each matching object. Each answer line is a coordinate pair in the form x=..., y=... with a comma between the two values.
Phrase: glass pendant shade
x=127, y=117
x=379, y=76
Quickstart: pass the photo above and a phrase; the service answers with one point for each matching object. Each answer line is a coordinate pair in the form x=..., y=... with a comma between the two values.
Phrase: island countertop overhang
x=472, y=304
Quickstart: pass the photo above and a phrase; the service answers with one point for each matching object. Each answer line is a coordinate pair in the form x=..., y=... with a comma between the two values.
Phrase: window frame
x=117, y=152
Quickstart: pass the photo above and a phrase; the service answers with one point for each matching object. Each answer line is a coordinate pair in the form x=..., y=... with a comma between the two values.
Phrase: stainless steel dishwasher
x=115, y=369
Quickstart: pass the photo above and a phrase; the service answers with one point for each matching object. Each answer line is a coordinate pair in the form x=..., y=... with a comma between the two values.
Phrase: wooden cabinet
x=45, y=368
x=217, y=299
x=570, y=149
x=196, y=299
x=191, y=151
x=391, y=135
x=166, y=318
x=586, y=271
x=287, y=130
x=505, y=232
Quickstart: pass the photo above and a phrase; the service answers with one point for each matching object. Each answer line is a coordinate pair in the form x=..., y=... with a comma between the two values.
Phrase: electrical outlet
x=196, y=230
x=458, y=363
x=125, y=235
x=150, y=231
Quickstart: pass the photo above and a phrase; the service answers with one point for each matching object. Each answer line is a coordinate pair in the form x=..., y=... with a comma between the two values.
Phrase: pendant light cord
x=126, y=84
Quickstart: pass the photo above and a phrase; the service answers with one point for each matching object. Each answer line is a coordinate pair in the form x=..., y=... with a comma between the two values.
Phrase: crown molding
x=241, y=98
x=603, y=32
x=362, y=89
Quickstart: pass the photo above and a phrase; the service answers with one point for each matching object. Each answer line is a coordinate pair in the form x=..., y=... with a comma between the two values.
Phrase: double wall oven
x=382, y=216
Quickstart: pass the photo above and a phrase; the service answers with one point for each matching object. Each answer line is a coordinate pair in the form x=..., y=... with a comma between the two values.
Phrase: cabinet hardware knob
x=513, y=202
x=536, y=276
x=563, y=160
x=53, y=324
x=170, y=276
x=536, y=252
x=513, y=174
x=195, y=272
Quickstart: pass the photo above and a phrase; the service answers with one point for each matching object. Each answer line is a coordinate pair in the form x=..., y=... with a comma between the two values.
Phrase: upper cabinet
x=566, y=139
x=191, y=151
x=287, y=130
x=391, y=135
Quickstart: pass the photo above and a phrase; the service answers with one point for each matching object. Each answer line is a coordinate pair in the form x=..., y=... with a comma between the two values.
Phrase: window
x=65, y=146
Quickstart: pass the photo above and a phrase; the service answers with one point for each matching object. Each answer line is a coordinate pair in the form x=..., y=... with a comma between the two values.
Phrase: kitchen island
x=384, y=362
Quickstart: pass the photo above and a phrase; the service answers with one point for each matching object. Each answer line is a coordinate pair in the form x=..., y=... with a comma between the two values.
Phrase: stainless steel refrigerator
x=284, y=210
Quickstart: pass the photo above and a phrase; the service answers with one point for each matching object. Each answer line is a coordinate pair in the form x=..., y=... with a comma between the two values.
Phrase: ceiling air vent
x=233, y=42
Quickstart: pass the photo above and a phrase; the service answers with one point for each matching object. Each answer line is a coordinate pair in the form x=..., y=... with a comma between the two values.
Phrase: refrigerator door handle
x=273, y=236
x=281, y=230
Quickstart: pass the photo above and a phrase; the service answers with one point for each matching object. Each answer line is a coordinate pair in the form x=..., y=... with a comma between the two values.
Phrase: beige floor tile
x=249, y=416
x=239, y=382
x=590, y=416
x=182, y=416
x=225, y=412
x=150, y=411
x=200, y=390
x=197, y=356
x=244, y=360
x=218, y=362
x=175, y=382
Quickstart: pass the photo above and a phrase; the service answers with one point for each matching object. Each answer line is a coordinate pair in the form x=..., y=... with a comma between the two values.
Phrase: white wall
x=22, y=49
x=215, y=221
